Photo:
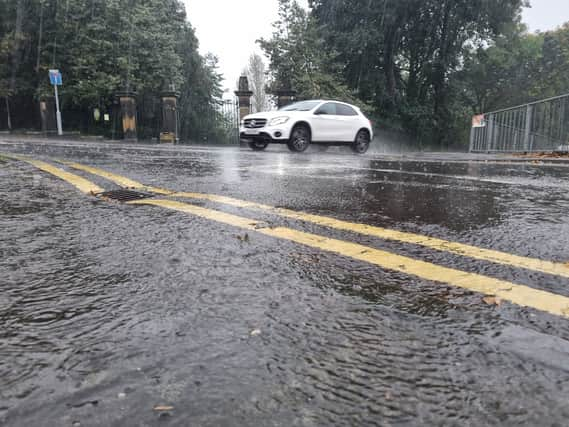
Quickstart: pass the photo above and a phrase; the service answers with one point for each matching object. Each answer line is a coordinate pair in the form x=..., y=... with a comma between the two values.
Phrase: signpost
x=56, y=80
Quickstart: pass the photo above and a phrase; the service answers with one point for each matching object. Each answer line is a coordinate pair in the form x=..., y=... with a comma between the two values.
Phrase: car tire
x=299, y=139
x=258, y=145
x=362, y=142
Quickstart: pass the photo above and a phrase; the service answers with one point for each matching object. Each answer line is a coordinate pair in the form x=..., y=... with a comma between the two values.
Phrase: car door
x=349, y=122
x=326, y=124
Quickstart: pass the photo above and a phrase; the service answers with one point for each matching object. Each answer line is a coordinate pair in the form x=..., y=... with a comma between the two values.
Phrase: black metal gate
x=229, y=120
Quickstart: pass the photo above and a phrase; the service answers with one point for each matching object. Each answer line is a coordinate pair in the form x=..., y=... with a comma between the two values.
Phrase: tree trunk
x=16, y=48
x=440, y=69
x=392, y=37
x=389, y=58
x=8, y=115
x=412, y=85
x=40, y=39
x=441, y=63
x=15, y=55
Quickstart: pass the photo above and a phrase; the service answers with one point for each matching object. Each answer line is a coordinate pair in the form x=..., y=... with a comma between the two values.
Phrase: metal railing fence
x=534, y=127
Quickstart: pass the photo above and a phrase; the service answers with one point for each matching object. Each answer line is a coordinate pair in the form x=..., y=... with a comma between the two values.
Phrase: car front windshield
x=301, y=106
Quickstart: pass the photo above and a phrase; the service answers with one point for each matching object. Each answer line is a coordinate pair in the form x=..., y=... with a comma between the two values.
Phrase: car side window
x=328, y=109
x=344, y=110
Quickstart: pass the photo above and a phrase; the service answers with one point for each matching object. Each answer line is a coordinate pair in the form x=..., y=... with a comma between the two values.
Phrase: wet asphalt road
x=108, y=310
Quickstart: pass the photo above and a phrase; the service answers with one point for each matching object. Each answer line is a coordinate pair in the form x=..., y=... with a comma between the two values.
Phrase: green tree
x=555, y=63
x=299, y=57
x=504, y=74
x=404, y=56
x=517, y=68
x=101, y=47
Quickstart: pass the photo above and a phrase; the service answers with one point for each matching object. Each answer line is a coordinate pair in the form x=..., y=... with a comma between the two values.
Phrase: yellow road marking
x=456, y=248
x=517, y=294
x=117, y=179
x=77, y=181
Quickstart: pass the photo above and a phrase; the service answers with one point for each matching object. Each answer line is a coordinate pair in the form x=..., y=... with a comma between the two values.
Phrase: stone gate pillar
x=169, y=128
x=47, y=115
x=244, y=95
x=285, y=97
x=127, y=102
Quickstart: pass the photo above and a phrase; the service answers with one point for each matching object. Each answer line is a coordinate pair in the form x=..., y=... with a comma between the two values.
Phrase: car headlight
x=279, y=121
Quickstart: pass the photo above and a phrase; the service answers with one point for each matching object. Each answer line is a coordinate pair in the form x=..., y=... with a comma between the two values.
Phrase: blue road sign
x=55, y=78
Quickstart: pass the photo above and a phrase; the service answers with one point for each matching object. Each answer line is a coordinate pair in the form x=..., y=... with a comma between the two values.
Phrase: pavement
x=280, y=289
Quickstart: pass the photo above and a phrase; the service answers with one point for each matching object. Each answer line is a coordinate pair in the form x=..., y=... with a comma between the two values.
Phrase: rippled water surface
x=109, y=310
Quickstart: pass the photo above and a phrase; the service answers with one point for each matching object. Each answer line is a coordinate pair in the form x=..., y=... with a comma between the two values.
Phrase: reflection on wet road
x=278, y=289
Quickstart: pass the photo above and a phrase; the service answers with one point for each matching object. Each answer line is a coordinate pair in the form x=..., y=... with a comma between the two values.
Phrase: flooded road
x=231, y=312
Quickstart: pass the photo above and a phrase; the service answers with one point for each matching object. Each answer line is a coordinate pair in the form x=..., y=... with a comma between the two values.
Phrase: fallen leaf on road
x=244, y=238
x=81, y=404
x=262, y=225
x=492, y=300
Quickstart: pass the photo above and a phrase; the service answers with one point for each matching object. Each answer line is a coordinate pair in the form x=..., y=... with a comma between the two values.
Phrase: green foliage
x=200, y=95
x=517, y=68
x=300, y=58
x=404, y=55
x=422, y=65
x=102, y=47
x=504, y=74
x=555, y=62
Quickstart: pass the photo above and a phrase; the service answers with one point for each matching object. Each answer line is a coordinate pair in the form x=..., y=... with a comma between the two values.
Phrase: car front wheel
x=299, y=139
x=361, y=144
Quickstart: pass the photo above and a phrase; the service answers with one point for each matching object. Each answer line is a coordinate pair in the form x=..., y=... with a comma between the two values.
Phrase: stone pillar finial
x=243, y=84
x=244, y=95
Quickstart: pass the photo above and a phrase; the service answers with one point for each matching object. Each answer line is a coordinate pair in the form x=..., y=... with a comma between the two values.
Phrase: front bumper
x=273, y=135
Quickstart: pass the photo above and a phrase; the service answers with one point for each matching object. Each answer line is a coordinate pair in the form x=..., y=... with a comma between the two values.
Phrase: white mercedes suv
x=308, y=122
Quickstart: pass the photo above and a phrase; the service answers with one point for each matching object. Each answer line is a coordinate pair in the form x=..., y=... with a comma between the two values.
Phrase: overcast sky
x=229, y=28
x=546, y=14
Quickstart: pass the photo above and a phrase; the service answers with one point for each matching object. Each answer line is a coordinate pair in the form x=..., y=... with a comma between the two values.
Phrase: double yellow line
x=78, y=182
x=382, y=233
x=517, y=294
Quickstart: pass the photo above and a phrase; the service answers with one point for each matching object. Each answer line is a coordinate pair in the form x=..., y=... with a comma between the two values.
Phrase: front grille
x=255, y=123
